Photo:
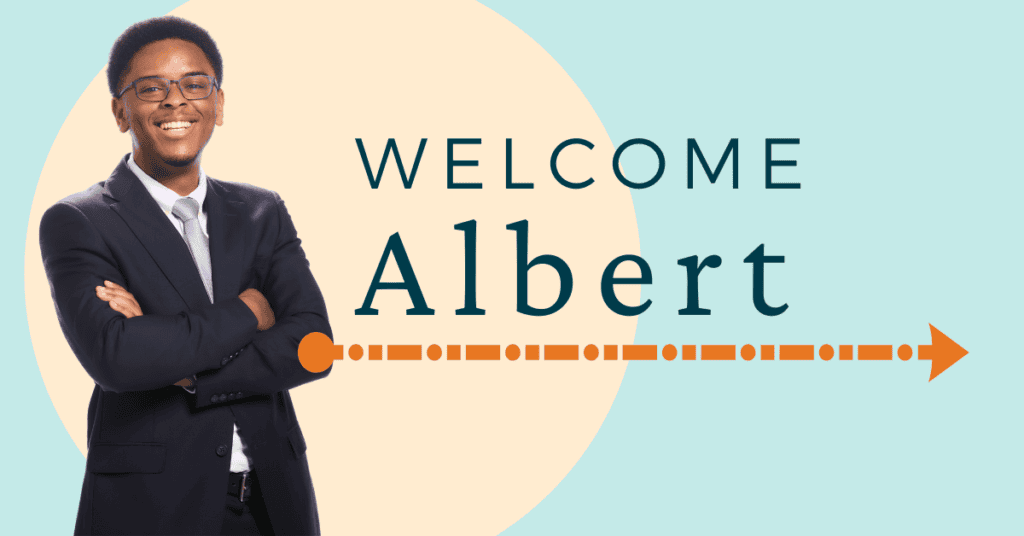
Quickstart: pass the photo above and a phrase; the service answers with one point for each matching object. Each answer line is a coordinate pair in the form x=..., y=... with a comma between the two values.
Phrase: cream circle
x=429, y=447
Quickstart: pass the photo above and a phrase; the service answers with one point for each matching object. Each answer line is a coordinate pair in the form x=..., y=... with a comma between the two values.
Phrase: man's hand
x=119, y=299
x=260, y=307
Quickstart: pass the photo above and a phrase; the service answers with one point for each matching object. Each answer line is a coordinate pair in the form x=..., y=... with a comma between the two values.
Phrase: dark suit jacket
x=159, y=456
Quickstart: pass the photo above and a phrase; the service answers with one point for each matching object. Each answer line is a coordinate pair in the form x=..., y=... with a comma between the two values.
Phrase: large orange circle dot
x=747, y=352
x=590, y=352
x=512, y=352
x=316, y=352
x=826, y=352
x=905, y=352
x=669, y=352
x=355, y=352
x=434, y=352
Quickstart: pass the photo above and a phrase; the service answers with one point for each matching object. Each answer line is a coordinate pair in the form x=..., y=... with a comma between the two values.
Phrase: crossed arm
x=124, y=302
x=243, y=346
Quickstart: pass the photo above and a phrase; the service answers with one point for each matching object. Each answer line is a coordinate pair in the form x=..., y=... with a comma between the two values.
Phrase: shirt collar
x=164, y=196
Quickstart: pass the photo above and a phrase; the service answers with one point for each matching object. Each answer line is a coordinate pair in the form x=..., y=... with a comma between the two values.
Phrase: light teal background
x=910, y=121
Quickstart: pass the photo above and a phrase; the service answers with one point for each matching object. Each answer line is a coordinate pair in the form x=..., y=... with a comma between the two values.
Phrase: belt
x=240, y=485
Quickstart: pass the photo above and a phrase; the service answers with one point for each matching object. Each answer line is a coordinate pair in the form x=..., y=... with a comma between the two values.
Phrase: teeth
x=175, y=124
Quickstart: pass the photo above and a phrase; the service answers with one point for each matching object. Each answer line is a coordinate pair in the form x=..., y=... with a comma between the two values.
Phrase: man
x=185, y=299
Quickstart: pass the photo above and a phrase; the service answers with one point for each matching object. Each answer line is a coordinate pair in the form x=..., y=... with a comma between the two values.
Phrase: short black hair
x=148, y=31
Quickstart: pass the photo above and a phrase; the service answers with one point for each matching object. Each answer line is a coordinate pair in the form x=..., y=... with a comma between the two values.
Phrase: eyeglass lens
x=156, y=89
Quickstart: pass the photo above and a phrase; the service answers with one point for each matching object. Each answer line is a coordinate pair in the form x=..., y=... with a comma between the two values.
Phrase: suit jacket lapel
x=228, y=237
x=130, y=200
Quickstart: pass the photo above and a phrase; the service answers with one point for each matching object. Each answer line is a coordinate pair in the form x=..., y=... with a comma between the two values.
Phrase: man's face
x=170, y=133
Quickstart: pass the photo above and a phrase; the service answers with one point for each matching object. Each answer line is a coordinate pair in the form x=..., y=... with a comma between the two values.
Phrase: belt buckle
x=241, y=486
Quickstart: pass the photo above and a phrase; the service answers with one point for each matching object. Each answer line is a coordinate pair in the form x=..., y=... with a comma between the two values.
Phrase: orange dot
x=434, y=352
x=826, y=352
x=355, y=352
x=668, y=352
x=512, y=352
x=905, y=352
x=317, y=352
x=590, y=352
x=747, y=352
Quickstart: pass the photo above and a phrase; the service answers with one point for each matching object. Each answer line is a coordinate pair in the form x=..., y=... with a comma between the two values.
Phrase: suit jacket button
x=231, y=396
x=224, y=361
x=223, y=397
x=213, y=398
x=238, y=394
x=222, y=450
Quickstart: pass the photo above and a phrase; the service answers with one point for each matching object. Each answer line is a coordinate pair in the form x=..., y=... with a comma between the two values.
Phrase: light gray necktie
x=186, y=209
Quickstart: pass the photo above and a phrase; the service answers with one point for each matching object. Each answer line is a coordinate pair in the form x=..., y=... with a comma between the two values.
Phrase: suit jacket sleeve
x=270, y=363
x=128, y=354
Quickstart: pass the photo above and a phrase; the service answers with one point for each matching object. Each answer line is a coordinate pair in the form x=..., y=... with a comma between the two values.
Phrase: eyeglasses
x=155, y=89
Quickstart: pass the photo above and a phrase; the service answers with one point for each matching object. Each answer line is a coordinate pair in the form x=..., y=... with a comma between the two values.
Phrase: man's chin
x=179, y=161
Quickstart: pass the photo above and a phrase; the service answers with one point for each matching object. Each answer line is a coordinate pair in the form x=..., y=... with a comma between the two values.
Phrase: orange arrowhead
x=943, y=352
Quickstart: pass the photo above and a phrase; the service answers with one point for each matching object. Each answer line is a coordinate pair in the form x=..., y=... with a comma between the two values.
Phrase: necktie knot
x=185, y=209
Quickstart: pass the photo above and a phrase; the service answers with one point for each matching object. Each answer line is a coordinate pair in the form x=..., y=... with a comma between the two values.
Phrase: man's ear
x=120, y=114
x=219, y=117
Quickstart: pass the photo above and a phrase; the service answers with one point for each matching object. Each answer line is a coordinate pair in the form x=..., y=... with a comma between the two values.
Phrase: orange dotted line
x=317, y=352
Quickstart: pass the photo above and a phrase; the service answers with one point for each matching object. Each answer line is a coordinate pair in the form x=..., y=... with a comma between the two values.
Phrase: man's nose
x=174, y=96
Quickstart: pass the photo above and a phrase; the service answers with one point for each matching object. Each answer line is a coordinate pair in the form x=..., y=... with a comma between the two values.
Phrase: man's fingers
x=135, y=310
x=106, y=294
x=110, y=286
x=126, y=309
x=120, y=300
x=103, y=294
x=118, y=292
x=115, y=305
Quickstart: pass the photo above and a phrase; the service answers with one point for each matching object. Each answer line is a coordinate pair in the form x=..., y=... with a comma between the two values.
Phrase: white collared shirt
x=165, y=199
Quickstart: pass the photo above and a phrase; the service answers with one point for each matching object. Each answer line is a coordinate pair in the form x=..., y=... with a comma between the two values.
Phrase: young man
x=185, y=299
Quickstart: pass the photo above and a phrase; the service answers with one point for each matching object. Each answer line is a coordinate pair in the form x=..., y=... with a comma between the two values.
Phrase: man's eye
x=196, y=86
x=150, y=89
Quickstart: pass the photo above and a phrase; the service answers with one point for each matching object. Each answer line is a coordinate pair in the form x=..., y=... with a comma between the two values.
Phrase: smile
x=176, y=125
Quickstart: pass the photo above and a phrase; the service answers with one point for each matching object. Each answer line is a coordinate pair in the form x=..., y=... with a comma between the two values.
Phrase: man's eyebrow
x=193, y=73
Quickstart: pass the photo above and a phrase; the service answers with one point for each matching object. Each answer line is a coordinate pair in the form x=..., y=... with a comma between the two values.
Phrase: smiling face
x=168, y=136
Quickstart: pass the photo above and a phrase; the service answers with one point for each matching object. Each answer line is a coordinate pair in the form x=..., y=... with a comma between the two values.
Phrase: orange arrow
x=317, y=352
x=943, y=352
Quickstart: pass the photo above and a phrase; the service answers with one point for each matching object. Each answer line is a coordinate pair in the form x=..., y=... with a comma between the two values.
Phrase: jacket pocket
x=296, y=440
x=126, y=458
